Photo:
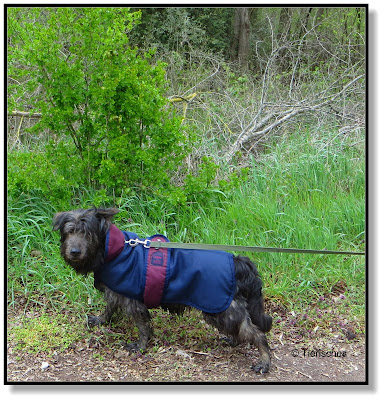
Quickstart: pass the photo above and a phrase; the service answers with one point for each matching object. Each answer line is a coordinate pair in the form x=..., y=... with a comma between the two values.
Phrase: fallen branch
x=259, y=128
x=24, y=114
x=187, y=99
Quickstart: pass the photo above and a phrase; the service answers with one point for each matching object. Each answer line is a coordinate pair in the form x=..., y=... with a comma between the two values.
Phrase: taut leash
x=197, y=246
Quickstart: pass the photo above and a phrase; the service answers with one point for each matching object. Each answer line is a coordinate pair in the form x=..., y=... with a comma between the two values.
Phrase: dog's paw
x=261, y=367
x=93, y=320
x=132, y=347
x=229, y=341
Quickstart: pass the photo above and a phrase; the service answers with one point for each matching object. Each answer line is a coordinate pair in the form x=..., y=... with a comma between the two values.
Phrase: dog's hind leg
x=250, y=333
x=250, y=288
x=235, y=321
x=257, y=314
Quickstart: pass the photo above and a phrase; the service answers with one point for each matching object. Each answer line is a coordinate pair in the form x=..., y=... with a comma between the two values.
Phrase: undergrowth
x=305, y=191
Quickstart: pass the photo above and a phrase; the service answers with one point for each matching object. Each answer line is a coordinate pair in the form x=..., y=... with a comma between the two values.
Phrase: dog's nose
x=75, y=252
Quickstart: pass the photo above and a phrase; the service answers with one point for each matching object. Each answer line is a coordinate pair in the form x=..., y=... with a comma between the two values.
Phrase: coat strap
x=155, y=273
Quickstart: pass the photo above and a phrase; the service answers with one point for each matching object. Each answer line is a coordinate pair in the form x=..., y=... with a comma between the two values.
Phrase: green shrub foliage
x=105, y=102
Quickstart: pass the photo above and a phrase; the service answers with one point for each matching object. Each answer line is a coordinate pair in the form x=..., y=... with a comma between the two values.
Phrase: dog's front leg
x=112, y=301
x=105, y=317
x=141, y=317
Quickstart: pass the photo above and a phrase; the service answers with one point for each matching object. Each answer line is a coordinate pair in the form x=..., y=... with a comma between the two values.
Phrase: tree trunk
x=240, y=48
x=305, y=21
x=284, y=25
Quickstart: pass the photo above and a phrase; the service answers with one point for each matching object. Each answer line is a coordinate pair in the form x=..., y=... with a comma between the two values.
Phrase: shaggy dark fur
x=244, y=321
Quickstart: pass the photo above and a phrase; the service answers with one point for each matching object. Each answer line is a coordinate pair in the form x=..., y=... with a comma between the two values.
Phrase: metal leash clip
x=135, y=242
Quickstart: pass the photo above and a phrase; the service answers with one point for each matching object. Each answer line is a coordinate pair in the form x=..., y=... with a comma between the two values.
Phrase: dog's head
x=83, y=236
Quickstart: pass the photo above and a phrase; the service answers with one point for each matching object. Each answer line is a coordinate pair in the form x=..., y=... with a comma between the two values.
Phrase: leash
x=195, y=246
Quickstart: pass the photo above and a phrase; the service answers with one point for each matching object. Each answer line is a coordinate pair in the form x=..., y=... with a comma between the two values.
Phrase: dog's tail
x=250, y=286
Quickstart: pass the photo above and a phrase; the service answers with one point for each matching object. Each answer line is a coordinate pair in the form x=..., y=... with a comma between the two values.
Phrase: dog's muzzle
x=75, y=253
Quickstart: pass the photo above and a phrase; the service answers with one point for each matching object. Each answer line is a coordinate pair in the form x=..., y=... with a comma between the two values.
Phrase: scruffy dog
x=135, y=277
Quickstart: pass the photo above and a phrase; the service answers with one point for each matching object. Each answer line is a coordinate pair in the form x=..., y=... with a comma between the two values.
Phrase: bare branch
x=203, y=80
x=24, y=114
x=264, y=126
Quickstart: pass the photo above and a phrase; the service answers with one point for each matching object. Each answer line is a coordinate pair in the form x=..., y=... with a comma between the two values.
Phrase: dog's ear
x=58, y=220
x=106, y=213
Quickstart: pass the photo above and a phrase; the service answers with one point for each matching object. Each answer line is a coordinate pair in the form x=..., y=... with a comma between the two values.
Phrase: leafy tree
x=96, y=91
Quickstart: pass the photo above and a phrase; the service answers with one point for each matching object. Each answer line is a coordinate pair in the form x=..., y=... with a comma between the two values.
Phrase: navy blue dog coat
x=203, y=279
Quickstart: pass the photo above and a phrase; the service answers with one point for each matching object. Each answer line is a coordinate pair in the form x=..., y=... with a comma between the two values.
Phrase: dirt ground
x=325, y=357
x=181, y=365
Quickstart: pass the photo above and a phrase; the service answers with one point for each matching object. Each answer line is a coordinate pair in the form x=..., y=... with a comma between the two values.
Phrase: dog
x=229, y=287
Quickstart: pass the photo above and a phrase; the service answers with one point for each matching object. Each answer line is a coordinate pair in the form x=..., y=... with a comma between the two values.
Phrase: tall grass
x=303, y=193
x=306, y=191
x=35, y=269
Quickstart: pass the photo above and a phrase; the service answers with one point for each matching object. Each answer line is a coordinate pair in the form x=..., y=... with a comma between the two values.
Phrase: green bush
x=103, y=100
x=29, y=173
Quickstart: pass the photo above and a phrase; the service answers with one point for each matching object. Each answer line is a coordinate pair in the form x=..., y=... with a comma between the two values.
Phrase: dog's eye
x=69, y=229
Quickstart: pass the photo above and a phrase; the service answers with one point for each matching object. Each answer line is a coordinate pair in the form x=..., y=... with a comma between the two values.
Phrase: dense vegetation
x=215, y=125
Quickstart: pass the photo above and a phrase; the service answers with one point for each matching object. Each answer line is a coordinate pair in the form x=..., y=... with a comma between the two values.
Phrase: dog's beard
x=79, y=264
x=82, y=267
